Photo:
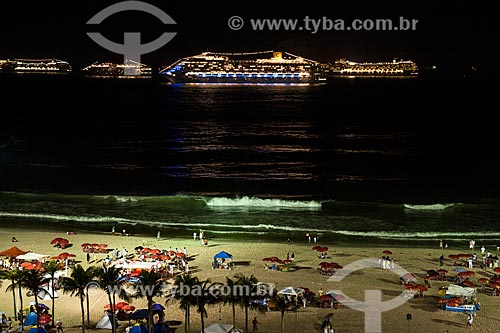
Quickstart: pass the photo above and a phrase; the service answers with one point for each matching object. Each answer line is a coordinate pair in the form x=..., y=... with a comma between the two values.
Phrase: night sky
x=455, y=35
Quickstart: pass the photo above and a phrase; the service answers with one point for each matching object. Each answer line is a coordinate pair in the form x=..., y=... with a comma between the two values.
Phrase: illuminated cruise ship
x=393, y=68
x=35, y=66
x=129, y=68
x=254, y=67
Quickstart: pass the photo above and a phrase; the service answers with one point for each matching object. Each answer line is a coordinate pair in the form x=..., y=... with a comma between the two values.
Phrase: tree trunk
x=112, y=318
x=202, y=322
x=53, y=299
x=246, y=318
x=21, y=304
x=234, y=316
x=88, y=309
x=186, y=318
x=150, y=314
x=282, y=322
x=36, y=309
x=83, y=313
x=14, y=299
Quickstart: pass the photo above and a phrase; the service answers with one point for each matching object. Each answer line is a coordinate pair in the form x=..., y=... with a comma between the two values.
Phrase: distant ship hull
x=129, y=69
x=41, y=66
x=244, y=68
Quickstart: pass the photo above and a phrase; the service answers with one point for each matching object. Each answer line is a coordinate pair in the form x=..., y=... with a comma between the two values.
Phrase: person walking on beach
x=158, y=236
x=470, y=319
x=254, y=324
x=59, y=326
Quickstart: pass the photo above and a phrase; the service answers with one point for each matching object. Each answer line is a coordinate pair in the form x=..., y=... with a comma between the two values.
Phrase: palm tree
x=204, y=296
x=77, y=283
x=13, y=276
x=231, y=297
x=281, y=304
x=151, y=284
x=247, y=287
x=183, y=282
x=110, y=279
x=32, y=279
x=51, y=268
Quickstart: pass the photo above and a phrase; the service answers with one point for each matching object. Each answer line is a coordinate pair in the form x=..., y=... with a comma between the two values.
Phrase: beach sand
x=427, y=316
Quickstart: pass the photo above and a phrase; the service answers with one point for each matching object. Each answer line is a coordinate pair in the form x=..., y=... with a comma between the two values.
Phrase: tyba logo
x=132, y=49
x=373, y=305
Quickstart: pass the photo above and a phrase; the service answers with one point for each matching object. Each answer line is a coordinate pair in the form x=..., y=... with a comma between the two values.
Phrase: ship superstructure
x=253, y=67
x=35, y=66
x=128, y=68
x=390, y=68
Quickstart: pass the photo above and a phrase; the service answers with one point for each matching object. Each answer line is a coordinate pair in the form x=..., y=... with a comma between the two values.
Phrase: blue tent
x=223, y=255
x=31, y=319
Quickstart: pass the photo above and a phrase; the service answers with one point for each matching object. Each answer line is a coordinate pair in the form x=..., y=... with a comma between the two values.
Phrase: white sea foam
x=257, y=202
x=437, y=206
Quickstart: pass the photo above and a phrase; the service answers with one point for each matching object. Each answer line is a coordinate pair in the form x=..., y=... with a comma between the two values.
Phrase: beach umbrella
x=483, y=281
x=336, y=265
x=139, y=314
x=120, y=305
x=43, y=306
x=495, y=280
x=55, y=241
x=128, y=307
x=442, y=271
x=157, y=307
x=170, y=253
x=85, y=244
x=316, y=248
x=495, y=285
x=324, y=249
x=44, y=318
x=408, y=277
x=496, y=269
x=387, y=252
x=467, y=283
x=325, y=297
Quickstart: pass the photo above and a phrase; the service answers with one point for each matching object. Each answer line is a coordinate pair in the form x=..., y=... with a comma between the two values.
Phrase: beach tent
x=291, y=291
x=456, y=290
x=13, y=252
x=47, y=293
x=223, y=255
x=218, y=328
x=32, y=256
x=105, y=322
x=31, y=319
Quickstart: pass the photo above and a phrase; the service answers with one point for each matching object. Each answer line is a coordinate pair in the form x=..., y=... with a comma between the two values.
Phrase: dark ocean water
x=340, y=159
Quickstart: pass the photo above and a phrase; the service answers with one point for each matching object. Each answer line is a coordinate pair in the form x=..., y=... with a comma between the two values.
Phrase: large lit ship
x=393, y=68
x=255, y=67
x=35, y=66
x=128, y=68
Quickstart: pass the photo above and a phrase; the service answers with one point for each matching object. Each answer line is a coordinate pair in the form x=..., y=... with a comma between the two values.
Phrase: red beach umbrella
x=496, y=269
x=483, y=281
x=55, y=241
x=387, y=252
x=468, y=283
x=495, y=280
x=442, y=271
x=316, y=248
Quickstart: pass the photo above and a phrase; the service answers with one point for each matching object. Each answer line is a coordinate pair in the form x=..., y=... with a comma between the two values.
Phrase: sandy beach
x=426, y=314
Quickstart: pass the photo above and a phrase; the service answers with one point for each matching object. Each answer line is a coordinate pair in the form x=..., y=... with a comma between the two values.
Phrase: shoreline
x=248, y=258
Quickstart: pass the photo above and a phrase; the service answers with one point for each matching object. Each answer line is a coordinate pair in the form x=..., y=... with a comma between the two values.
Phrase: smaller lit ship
x=128, y=69
x=35, y=66
x=394, y=68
